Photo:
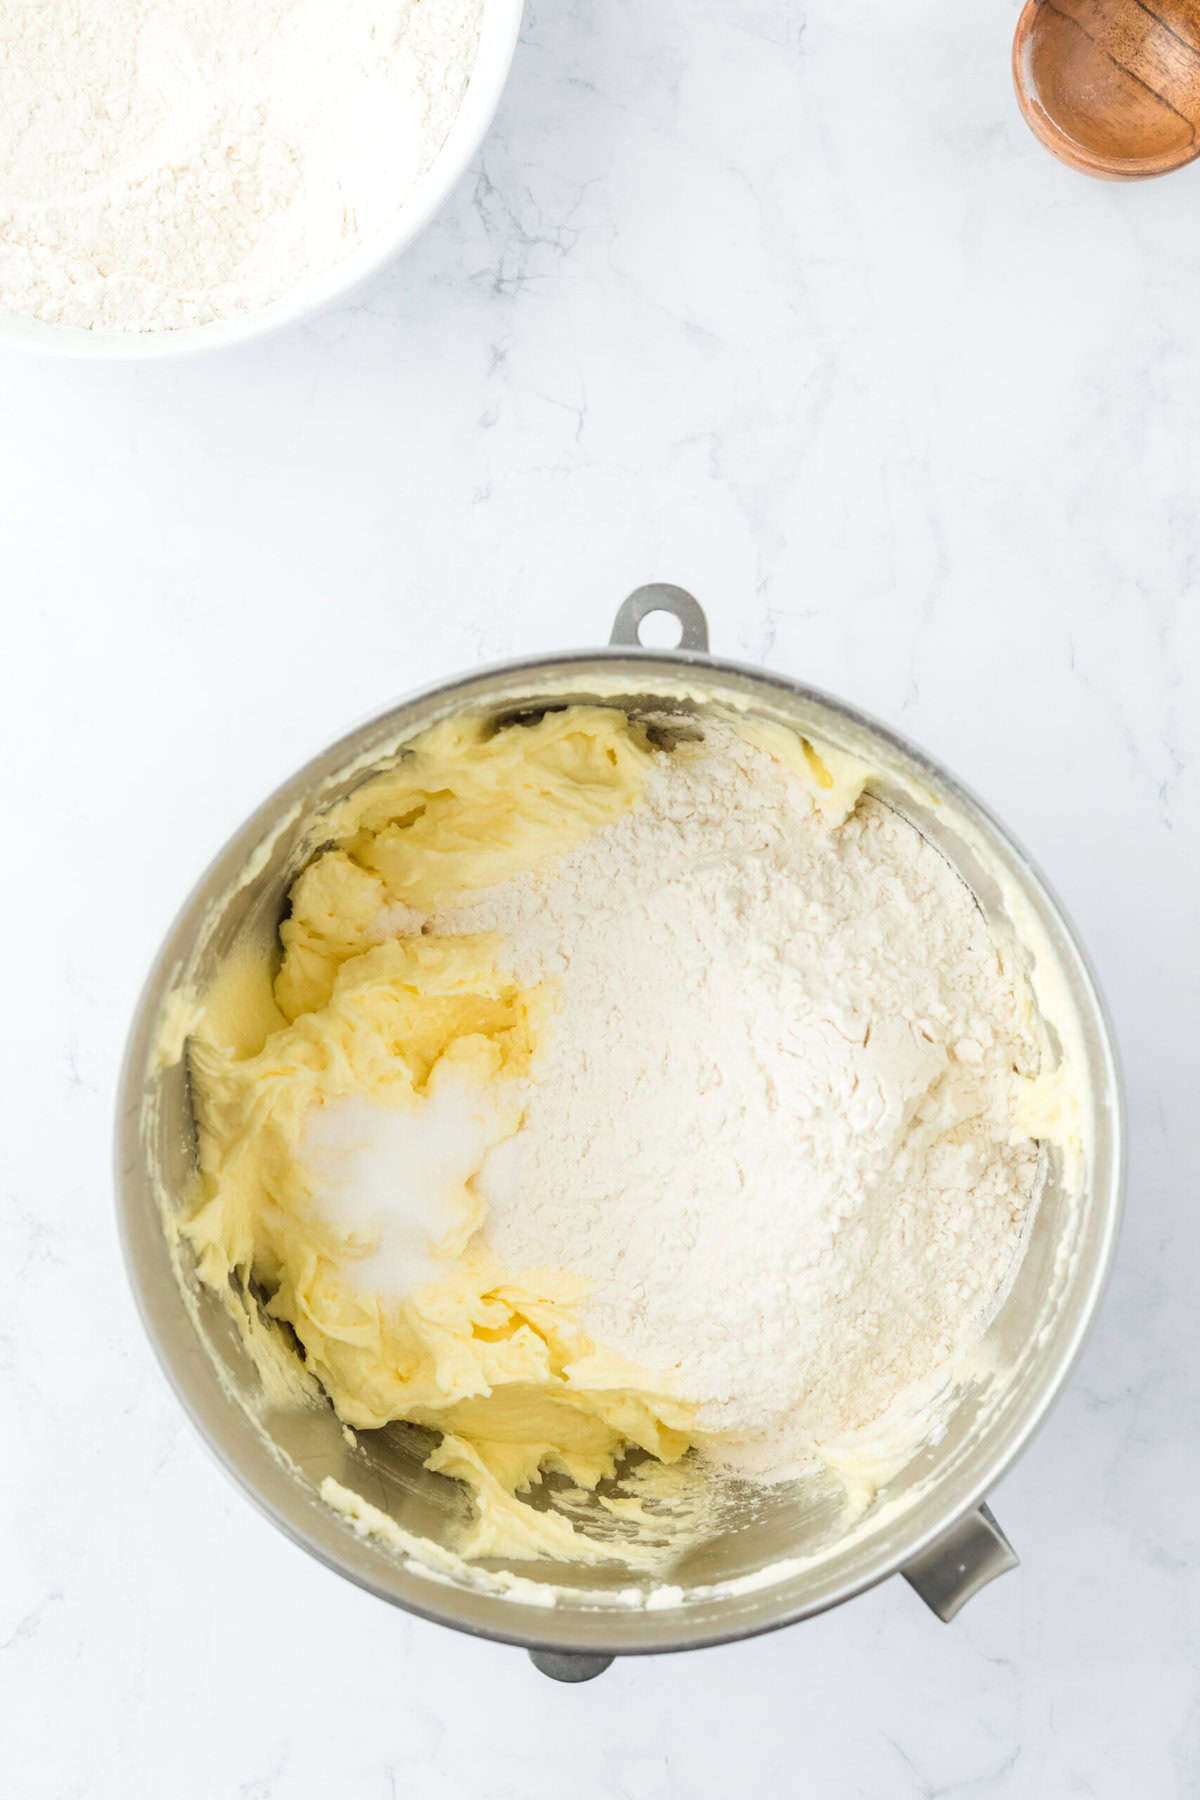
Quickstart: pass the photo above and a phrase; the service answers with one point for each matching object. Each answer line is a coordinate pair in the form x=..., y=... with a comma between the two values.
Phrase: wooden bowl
x=1112, y=87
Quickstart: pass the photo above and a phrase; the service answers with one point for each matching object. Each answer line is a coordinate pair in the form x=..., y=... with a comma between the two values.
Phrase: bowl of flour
x=621, y=1152
x=177, y=176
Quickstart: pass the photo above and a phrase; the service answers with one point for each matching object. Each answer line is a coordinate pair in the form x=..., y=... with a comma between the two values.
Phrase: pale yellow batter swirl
x=496, y=1361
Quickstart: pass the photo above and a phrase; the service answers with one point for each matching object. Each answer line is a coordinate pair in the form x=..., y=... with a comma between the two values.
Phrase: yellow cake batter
x=502, y=1370
x=386, y=1045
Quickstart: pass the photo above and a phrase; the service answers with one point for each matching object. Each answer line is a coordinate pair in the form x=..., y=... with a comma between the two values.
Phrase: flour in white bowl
x=774, y=1123
x=165, y=163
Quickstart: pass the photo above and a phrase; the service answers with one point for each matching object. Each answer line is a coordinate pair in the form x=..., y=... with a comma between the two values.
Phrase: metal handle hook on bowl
x=661, y=597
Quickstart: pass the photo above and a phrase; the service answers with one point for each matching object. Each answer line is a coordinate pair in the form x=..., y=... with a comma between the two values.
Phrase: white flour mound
x=773, y=1120
x=169, y=162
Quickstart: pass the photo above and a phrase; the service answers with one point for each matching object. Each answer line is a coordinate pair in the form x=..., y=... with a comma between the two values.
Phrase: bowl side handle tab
x=661, y=597
x=960, y=1562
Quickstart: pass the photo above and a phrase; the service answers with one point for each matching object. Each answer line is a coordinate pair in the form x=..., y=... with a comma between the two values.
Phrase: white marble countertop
x=784, y=304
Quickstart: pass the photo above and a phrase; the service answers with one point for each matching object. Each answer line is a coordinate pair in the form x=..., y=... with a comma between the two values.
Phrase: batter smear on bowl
x=623, y=1087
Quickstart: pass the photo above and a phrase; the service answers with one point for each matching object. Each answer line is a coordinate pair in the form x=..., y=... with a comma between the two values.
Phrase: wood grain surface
x=1112, y=87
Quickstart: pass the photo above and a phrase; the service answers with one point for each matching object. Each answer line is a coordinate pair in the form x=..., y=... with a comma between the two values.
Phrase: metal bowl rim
x=670, y=663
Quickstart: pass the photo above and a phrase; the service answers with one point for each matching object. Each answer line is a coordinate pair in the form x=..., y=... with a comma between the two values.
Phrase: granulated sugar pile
x=773, y=1124
x=165, y=163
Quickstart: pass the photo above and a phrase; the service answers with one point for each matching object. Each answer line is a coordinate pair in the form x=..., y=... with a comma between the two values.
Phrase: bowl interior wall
x=282, y=1453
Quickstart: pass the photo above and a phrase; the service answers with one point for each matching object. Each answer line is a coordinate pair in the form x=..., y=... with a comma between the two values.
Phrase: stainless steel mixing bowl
x=785, y=1553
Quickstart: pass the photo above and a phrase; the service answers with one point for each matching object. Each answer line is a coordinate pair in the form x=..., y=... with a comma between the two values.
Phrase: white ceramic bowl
x=499, y=26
